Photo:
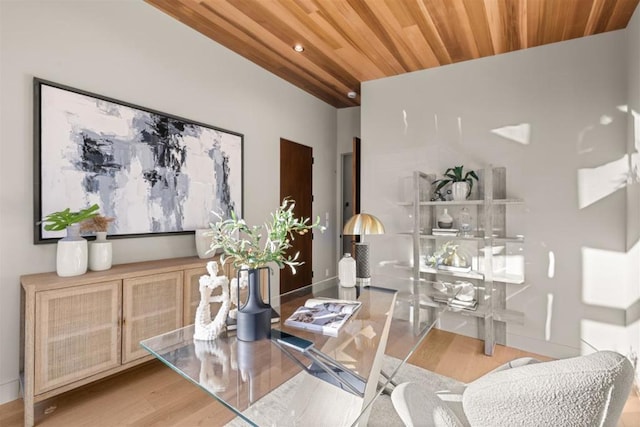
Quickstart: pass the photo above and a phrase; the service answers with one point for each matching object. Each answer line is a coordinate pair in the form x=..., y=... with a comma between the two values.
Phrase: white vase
x=460, y=190
x=203, y=238
x=100, y=253
x=347, y=271
x=71, y=253
x=445, y=220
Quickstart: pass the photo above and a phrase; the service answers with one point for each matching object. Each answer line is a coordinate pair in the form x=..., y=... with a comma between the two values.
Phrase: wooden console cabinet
x=84, y=328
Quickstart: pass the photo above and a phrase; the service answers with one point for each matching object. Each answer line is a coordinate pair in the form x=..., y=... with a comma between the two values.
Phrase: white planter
x=203, y=242
x=100, y=253
x=72, y=253
x=459, y=190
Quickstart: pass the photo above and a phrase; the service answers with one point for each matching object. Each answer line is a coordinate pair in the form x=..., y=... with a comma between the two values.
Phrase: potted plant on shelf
x=100, y=251
x=461, y=183
x=71, y=252
x=252, y=249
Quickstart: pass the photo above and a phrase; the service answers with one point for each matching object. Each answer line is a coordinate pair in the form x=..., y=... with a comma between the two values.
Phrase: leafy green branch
x=242, y=243
x=58, y=221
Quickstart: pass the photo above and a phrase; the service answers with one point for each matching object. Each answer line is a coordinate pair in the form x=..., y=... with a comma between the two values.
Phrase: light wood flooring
x=153, y=395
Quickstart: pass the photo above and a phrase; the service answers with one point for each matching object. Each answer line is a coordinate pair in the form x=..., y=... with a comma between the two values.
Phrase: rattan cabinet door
x=77, y=333
x=151, y=306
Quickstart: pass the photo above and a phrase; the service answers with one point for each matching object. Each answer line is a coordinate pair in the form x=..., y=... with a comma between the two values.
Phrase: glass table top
x=264, y=385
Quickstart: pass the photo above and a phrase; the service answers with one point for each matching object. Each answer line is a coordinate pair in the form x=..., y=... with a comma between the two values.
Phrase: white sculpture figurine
x=205, y=328
x=235, y=290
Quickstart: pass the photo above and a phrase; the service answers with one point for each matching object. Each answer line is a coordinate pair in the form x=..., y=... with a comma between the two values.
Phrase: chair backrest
x=587, y=390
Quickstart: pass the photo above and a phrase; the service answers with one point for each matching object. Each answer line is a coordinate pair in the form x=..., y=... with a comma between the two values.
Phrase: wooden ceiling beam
x=479, y=23
x=579, y=11
x=273, y=49
x=350, y=41
x=289, y=28
x=623, y=11
x=299, y=69
x=360, y=37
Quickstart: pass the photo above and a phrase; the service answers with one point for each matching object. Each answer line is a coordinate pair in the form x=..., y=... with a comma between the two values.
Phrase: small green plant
x=58, y=221
x=243, y=245
x=455, y=174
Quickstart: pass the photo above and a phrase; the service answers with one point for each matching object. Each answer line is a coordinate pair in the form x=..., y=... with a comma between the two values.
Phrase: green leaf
x=472, y=174
x=442, y=183
x=256, y=246
x=58, y=221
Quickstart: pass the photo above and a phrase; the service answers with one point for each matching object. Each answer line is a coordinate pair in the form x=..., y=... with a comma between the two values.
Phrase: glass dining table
x=265, y=383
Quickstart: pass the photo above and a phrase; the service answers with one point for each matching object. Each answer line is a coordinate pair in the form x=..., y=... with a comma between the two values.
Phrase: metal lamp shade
x=362, y=224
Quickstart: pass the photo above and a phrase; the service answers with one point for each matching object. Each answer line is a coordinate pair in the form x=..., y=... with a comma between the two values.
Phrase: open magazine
x=324, y=315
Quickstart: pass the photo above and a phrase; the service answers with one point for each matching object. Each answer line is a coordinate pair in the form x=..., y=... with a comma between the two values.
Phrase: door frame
x=356, y=190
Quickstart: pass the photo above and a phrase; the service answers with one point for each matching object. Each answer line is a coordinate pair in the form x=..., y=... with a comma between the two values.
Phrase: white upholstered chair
x=581, y=391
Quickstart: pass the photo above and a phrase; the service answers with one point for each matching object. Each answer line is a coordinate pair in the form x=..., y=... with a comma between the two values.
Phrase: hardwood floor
x=153, y=395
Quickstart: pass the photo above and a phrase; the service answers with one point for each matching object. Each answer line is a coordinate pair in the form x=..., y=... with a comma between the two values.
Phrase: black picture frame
x=155, y=173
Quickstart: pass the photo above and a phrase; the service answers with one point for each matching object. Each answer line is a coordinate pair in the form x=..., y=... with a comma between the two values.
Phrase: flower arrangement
x=243, y=244
x=98, y=224
x=58, y=221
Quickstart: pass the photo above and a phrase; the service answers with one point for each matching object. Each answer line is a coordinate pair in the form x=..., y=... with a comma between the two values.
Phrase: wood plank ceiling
x=347, y=42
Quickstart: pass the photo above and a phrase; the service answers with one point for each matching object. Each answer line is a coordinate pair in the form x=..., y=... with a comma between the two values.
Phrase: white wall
x=633, y=188
x=348, y=128
x=130, y=51
x=570, y=168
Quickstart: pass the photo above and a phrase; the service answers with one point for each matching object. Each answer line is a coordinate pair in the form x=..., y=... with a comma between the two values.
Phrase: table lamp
x=360, y=225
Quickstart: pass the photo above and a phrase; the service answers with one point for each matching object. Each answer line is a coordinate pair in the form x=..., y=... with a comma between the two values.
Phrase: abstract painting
x=153, y=172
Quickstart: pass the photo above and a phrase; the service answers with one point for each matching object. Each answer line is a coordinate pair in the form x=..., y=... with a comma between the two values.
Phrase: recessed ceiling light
x=298, y=48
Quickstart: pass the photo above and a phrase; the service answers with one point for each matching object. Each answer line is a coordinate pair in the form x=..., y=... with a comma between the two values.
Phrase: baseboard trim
x=543, y=347
x=9, y=391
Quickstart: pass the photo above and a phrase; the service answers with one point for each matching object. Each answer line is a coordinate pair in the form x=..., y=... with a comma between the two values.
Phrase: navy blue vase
x=254, y=317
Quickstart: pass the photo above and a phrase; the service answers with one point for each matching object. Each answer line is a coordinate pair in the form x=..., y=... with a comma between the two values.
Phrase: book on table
x=325, y=315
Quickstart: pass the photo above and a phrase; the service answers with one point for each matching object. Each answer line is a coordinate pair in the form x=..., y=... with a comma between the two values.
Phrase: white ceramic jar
x=347, y=271
x=100, y=252
x=204, y=237
x=72, y=254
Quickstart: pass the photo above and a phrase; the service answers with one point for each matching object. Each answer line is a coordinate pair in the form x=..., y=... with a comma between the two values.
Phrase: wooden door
x=152, y=305
x=296, y=162
x=77, y=333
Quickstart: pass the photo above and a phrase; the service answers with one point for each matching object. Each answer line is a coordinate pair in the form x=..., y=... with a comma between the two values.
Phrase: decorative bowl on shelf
x=466, y=291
